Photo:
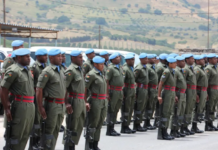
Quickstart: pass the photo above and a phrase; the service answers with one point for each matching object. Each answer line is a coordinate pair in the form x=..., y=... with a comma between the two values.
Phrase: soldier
x=76, y=88
x=88, y=64
x=161, y=66
x=141, y=79
x=168, y=97
x=115, y=82
x=19, y=81
x=205, y=59
x=97, y=85
x=181, y=86
x=36, y=70
x=212, y=76
x=9, y=60
x=63, y=64
x=157, y=60
x=104, y=54
x=190, y=92
x=202, y=84
x=129, y=94
x=51, y=86
x=152, y=91
x=63, y=68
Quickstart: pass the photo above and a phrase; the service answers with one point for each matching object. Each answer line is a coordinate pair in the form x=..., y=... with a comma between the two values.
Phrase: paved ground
x=144, y=141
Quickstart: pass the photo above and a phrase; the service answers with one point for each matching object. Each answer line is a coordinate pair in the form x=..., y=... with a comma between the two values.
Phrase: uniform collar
x=54, y=67
x=63, y=64
x=76, y=66
x=116, y=66
x=164, y=65
x=40, y=64
x=172, y=70
x=144, y=66
x=97, y=71
x=22, y=67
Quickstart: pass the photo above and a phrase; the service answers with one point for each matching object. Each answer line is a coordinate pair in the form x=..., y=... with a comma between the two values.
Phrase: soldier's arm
x=42, y=80
x=197, y=73
x=88, y=81
x=6, y=83
x=208, y=74
x=163, y=79
x=86, y=68
x=108, y=76
x=7, y=63
x=137, y=73
x=159, y=73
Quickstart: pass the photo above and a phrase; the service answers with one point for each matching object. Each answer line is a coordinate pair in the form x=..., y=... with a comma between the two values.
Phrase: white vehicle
x=6, y=52
x=97, y=51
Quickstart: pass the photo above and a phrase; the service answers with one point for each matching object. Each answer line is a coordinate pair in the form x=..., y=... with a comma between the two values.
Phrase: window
x=2, y=56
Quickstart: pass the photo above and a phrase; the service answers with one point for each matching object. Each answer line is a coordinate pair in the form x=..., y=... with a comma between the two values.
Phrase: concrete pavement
x=143, y=141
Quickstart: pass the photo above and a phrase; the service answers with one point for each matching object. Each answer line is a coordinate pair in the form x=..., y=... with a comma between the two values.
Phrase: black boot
x=139, y=128
x=125, y=129
x=62, y=129
x=182, y=131
x=91, y=145
x=195, y=128
x=166, y=136
x=110, y=131
x=118, y=134
x=72, y=147
x=179, y=133
x=188, y=131
x=208, y=126
x=215, y=128
x=149, y=126
x=173, y=133
x=132, y=130
x=95, y=146
x=145, y=124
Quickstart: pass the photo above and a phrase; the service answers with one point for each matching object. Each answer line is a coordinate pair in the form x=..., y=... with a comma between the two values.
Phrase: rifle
x=8, y=137
x=69, y=133
x=43, y=135
x=175, y=123
x=207, y=116
x=160, y=125
x=136, y=112
x=88, y=134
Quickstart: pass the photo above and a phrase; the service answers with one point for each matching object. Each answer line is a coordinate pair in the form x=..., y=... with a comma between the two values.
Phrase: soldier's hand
x=69, y=108
x=176, y=99
x=197, y=99
x=87, y=106
x=42, y=112
x=160, y=100
x=8, y=114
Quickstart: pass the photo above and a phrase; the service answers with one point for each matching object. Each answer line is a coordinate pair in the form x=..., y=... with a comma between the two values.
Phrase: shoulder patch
x=45, y=75
x=69, y=74
x=10, y=75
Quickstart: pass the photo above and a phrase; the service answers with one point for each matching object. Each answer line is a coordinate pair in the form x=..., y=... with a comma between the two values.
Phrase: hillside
x=125, y=24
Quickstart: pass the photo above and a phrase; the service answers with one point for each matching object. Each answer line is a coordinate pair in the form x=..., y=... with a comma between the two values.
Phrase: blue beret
x=17, y=43
x=188, y=55
x=211, y=55
x=157, y=58
x=204, y=55
x=163, y=56
x=89, y=51
x=62, y=52
x=216, y=56
x=129, y=56
x=114, y=55
x=54, y=52
x=151, y=56
x=173, y=55
x=75, y=53
x=13, y=54
x=22, y=52
x=155, y=55
x=118, y=53
x=98, y=60
x=142, y=55
x=171, y=59
x=198, y=57
x=41, y=52
x=103, y=53
x=131, y=53
x=180, y=58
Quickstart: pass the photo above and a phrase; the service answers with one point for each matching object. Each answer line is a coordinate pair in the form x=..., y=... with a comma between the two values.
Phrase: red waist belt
x=56, y=100
x=201, y=88
x=193, y=87
x=99, y=96
x=145, y=86
x=180, y=90
x=215, y=87
x=170, y=88
x=153, y=86
x=116, y=88
x=77, y=95
x=132, y=86
x=27, y=99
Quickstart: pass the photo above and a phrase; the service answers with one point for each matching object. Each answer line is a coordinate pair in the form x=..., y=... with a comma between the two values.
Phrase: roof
x=8, y=26
x=14, y=30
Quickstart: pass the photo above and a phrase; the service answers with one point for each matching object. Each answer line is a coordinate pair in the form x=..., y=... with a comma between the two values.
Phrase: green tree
x=157, y=12
x=129, y=5
x=84, y=45
x=100, y=21
x=136, y=5
x=63, y=19
x=124, y=10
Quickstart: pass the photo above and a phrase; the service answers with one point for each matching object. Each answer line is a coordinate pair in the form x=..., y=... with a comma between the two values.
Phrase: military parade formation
x=177, y=91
